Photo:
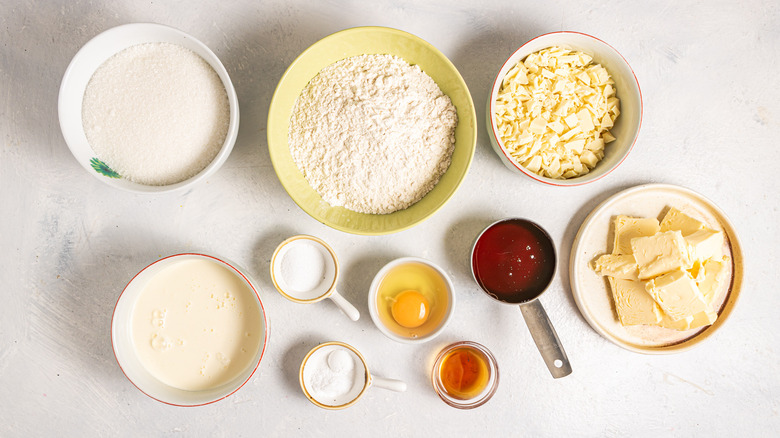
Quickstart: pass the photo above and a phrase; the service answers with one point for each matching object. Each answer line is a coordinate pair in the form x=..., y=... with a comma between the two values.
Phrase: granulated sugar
x=372, y=133
x=156, y=113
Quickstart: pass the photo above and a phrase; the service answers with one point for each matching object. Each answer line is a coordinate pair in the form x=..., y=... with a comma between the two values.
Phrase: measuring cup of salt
x=304, y=269
x=334, y=375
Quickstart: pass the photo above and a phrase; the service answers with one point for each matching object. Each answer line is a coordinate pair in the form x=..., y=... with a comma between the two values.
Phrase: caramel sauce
x=464, y=373
x=514, y=260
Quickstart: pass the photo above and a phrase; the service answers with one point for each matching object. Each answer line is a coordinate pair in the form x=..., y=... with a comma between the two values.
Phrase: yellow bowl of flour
x=354, y=42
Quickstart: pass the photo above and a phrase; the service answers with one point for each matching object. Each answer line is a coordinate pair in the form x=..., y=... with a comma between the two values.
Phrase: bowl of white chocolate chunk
x=148, y=109
x=565, y=109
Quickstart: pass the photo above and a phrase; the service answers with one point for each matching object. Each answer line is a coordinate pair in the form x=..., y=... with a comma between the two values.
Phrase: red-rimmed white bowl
x=131, y=365
x=626, y=127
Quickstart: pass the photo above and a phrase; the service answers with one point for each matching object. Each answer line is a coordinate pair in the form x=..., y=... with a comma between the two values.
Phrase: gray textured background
x=709, y=75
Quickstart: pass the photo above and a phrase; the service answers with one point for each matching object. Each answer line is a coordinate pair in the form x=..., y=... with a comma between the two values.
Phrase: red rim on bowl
x=233, y=269
x=494, y=130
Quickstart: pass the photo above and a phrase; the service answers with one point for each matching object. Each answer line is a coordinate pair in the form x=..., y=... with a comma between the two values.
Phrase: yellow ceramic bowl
x=354, y=42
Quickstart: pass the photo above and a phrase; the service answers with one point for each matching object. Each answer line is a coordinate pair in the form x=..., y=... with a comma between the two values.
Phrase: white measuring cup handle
x=391, y=384
x=345, y=306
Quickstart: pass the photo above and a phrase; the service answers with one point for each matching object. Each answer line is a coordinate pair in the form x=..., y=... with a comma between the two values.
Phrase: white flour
x=156, y=113
x=372, y=133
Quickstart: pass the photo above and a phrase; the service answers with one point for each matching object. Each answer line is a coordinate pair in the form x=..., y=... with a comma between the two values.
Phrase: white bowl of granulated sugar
x=148, y=108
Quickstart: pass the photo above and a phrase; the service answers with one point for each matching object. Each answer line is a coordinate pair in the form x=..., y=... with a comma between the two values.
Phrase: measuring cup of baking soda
x=334, y=375
x=305, y=269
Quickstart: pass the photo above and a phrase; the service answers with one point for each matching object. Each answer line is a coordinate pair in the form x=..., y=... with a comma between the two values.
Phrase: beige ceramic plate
x=591, y=291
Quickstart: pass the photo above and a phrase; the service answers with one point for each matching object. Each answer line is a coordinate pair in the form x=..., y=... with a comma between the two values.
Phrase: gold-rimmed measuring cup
x=305, y=269
x=362, y=378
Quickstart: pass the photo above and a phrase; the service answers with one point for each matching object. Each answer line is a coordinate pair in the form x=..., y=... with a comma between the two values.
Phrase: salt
x=303, y=267
x=156, y=113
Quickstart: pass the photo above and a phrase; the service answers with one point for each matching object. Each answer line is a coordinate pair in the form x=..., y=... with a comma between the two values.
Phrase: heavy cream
x=196, y=325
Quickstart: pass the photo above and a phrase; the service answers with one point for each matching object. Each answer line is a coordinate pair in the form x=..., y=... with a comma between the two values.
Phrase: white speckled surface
x=708, y=72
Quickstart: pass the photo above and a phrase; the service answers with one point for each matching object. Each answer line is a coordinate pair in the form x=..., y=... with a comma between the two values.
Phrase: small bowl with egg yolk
x=557, y=117
x=411, y=300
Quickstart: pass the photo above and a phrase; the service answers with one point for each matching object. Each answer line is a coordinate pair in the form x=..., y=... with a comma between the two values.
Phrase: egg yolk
x=410, y=309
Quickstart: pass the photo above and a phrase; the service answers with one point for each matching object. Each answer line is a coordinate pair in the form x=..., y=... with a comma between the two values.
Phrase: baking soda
x=156, y=113
x=333, y=377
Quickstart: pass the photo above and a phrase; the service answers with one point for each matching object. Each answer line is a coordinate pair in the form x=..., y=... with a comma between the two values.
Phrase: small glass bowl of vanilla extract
x=465, y=375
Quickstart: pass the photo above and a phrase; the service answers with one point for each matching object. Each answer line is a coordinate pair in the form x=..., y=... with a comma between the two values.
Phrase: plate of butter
x=656, y=268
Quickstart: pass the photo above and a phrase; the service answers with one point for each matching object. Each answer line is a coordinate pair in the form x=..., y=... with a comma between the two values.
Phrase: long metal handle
x=546, y=339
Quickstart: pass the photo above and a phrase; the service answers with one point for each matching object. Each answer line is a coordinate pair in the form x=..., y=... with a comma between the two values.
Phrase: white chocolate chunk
x=589, y=159
x=586, y=123
x=572, y=120
x=534, y=164
x=575, y=146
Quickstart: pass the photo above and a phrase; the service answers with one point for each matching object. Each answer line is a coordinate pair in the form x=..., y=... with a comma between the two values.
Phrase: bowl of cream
x=189, y=329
